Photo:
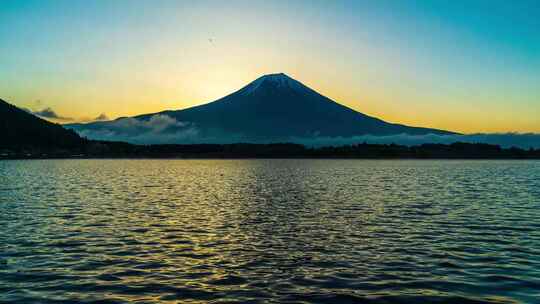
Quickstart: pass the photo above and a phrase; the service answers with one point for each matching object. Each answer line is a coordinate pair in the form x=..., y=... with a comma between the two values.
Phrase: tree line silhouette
x=23, y=135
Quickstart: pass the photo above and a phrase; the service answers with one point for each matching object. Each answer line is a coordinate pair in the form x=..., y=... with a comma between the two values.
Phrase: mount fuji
x=272, y=108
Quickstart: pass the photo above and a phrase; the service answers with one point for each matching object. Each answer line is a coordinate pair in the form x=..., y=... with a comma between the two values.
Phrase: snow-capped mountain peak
x=277, y=81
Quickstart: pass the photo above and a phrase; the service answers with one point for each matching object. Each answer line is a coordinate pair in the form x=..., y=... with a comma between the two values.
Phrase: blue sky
x=467, y=66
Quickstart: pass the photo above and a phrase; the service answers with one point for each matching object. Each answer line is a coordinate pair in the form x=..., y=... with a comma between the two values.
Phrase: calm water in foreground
x=313, y=231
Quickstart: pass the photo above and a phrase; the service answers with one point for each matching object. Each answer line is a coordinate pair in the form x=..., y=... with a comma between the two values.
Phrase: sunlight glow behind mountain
x=471, y=66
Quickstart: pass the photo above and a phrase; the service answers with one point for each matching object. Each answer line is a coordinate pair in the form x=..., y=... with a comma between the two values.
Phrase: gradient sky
x=467, y=66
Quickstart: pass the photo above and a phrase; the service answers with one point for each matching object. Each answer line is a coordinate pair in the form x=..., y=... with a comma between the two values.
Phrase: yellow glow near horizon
x=416, y=68
x=200, y=88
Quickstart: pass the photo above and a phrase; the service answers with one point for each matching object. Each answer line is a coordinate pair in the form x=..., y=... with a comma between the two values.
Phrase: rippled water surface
x=281, y=231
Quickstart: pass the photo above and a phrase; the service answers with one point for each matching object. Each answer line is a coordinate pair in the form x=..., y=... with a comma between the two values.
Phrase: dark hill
x=22, y=130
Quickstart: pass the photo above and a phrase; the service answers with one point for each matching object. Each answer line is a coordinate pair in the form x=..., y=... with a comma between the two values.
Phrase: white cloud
x=158, y=129
x=162, y=129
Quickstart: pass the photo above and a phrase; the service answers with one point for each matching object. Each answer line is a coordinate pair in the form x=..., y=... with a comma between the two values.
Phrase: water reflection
x=269, y=230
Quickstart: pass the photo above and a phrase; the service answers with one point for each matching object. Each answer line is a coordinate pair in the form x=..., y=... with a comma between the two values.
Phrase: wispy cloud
x=26, y=110
x=101, y=117
x=49, y=113
x=160, y=129
x=155, y=130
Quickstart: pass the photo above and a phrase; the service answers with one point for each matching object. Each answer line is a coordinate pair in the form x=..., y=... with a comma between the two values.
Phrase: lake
x=269, y=231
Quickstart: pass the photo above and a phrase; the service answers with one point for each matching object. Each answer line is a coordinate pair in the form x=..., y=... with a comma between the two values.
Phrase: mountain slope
x=19, y=129
x=274, y=107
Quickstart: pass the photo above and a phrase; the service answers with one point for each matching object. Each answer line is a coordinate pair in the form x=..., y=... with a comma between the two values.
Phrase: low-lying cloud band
x=161, y=129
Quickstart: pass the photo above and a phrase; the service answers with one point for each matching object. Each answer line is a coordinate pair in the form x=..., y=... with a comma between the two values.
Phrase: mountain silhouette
x=22, y=130
x=274, y=107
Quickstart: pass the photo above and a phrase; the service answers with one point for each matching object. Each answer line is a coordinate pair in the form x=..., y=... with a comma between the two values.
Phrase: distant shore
x=103, y=149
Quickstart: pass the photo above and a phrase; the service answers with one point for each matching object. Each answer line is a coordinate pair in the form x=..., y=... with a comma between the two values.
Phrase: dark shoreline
x=256, y=158
x=120, y=150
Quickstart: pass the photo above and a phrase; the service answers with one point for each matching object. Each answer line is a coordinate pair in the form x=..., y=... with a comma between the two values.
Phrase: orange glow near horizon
x=417, y=68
